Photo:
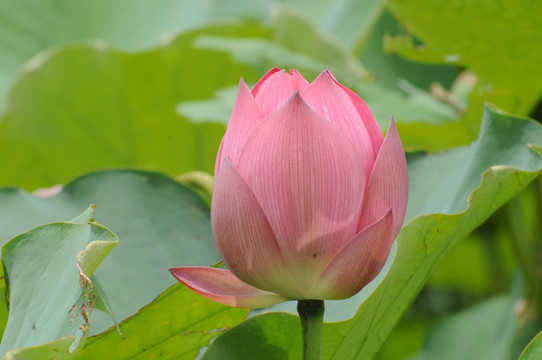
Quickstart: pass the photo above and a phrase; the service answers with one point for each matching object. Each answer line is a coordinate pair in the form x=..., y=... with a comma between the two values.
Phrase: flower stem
x=311, y=313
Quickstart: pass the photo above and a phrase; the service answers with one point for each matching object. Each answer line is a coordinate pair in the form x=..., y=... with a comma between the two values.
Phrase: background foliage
x=114, y=100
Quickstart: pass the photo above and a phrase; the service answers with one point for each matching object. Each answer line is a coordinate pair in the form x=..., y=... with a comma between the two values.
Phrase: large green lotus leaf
x=533, y=351
x=264, y=337
x=160, y=222
x=49, y=290
x=390, y=69
x=174, y=326
x=486, y=331
x=347, y=21
x=29, y=27
x=451, y=194
x=420, y=136
x=53, y=350
x=122, y=106
x=3, y=303
x=435, y=125
x=405, y=340
x=295, y=32
x=500, y=42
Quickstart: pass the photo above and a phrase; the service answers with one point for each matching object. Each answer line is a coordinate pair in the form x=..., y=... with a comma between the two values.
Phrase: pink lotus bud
x=308, y=197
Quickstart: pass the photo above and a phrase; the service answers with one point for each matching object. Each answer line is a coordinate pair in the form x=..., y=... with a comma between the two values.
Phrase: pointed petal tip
x=392, y=123
x=326, y=75
x=393, y=132
x=242, y=82
x=388, y=184
x=244, y=87
x=271, y=71
x=264, y=78
x=244, y=118
x=226, y=161
x=296, y=100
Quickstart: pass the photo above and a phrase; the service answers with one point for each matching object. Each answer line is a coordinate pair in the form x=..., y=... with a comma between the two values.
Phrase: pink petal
x=263, y=79
x=223, y=287
x=300, y=82
x=275, y=90
x=329, y=100
x=375, y=134
x=309, y=180
x=244, y=237
x=357, y=263
x=388, y=184
x=245, y=116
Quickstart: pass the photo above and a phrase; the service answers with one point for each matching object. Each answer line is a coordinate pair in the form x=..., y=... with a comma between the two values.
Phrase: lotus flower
x=309, y=196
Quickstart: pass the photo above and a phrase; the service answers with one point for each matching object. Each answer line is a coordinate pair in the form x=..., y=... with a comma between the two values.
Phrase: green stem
x=311, y=313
